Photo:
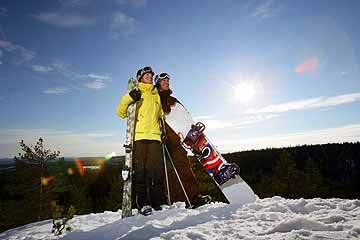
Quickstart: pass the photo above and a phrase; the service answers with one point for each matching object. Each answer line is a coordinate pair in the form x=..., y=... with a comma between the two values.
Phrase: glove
x=135, y=94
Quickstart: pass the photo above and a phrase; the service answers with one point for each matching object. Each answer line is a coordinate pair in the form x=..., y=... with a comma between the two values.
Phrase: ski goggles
x=161, y=77
x=144, y=70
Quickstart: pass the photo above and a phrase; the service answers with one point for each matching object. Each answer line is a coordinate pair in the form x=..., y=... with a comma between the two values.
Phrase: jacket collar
x=146, y=87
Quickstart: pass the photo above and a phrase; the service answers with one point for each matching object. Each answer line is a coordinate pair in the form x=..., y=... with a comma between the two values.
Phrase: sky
x=258, y=73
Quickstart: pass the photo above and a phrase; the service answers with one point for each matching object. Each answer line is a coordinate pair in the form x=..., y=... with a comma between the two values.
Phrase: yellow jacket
x=148, y=112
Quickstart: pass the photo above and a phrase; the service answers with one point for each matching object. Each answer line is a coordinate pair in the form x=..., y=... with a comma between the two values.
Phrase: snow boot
x=145, y=210
x=200, y=200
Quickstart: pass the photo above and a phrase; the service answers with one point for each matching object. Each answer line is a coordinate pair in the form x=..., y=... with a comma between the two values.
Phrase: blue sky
x=64, y=66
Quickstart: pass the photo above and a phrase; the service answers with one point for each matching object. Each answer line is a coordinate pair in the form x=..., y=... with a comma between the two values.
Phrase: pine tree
x=32, y=178
x=284, y=180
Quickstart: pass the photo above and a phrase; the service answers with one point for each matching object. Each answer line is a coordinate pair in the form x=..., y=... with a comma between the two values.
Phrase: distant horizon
x=222, y=153
x=257, y=73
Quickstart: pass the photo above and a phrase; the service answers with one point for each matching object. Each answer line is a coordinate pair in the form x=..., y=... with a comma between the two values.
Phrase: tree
x=286, y=176
x=61, y=216
x=32, y=173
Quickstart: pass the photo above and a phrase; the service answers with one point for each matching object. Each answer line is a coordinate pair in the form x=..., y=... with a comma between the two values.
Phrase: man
x=178, y=154
x=148, y=165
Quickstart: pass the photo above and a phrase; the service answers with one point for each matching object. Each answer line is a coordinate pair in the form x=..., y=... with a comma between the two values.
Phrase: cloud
x=74, y=78
x=18, y=54
x=39, y=68
x=346, y=133
x=69, y=143
x=122, y=24
x=266, y=10
x=74, y=3
x=64, y=19
x=91, y=75
x=56, y=91
x=212, y=123
x=309, y=65
x=3, y=11
x=122, y=19
x=134, y=3
x=1, y=54
x=98, y=82
x=77, y=80
x=318, y=102
x=205, y=117
x=66, y=71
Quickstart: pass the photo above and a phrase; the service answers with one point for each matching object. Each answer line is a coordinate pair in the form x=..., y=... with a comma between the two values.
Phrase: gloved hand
x=135, y=94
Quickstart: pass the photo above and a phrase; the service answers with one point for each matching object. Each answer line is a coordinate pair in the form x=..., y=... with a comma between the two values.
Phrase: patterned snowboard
x=226, y=175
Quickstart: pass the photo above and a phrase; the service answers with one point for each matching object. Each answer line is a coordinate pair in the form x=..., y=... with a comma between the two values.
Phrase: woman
x=148, y=165
x=178, y=154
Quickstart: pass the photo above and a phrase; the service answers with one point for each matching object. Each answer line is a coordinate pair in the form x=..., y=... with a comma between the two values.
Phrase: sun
x=244, y=91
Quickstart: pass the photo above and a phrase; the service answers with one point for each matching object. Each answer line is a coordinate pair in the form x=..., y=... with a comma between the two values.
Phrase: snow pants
x=149, y=174
x=183, y=167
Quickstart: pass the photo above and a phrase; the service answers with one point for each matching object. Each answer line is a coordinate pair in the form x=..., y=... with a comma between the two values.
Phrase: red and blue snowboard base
x=226, y=175
x=211, y=159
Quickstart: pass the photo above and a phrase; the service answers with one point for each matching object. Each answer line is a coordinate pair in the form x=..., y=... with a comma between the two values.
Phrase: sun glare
x=244, y=91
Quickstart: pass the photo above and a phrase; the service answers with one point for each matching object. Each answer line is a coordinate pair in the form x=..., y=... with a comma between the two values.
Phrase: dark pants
x=183, y=167
x=149, y=174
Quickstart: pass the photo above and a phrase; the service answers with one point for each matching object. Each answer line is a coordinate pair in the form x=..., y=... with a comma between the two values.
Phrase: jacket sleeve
x=125, y=101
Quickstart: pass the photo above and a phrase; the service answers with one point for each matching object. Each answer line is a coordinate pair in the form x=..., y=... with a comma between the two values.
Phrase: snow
x=269, y=218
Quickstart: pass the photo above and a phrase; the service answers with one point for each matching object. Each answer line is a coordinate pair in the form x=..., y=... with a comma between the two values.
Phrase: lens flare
x=100, y=162
x=80, y=166
x=70, y=171
x=46, y=180
x=310, y=65
x=109, y=156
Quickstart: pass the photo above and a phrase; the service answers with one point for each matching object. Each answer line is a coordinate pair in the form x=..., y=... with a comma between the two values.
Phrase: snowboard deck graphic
x=129, y=140
x=226, y=175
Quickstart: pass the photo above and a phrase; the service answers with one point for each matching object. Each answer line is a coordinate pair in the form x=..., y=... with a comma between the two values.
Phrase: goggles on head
x=161, y=76
x=142, y=71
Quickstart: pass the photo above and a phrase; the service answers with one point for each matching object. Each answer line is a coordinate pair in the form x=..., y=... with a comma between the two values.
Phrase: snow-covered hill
x=270, y=218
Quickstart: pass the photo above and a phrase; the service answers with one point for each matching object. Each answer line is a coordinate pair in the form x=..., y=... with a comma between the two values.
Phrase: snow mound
x=269, y=218
x=305, y=224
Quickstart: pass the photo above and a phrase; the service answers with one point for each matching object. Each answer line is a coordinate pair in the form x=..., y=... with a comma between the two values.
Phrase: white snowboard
x=236, y=190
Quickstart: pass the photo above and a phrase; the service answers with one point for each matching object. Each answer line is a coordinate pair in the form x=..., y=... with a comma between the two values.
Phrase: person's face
x=147, y=78
x=164, y=84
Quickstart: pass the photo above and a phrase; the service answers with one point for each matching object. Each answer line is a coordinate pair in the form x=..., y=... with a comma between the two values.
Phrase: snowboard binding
x=226, y=172
x=194, y=134
x=125, y=173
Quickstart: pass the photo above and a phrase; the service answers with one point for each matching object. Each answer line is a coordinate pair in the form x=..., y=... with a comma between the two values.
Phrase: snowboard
x=226, y=175
x=127, y=169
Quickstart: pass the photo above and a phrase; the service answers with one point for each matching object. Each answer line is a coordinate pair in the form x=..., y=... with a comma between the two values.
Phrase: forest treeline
x=35, y=188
